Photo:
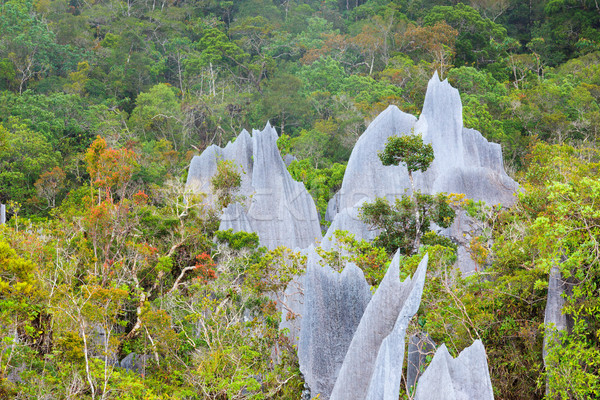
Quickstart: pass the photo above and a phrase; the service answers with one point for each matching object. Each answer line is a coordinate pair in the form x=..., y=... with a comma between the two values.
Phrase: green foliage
x=238, y=240
x=398, y=221
x=474, y=33
x=370, y=258
x=126, y=247
x=409, y=150
x=26, y=154
x=226, y=182
x=322, y=183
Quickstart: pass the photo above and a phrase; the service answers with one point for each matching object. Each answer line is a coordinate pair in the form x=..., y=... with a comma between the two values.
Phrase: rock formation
x=461, y=378
x=372, y=367
x=420, y=346
x=348, y=220
x=276, y=207
x=136, y=363
x=333, y=306
x=554, y=319
x=465, y=162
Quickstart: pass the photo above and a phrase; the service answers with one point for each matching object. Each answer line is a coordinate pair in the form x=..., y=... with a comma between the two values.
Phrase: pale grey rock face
x=465, y=377
x=553, y=317
x=276, y=207
x=333, y=306
x=333, y=207
x=463, y=229
x=465, y=162
x=373, y=364
x=137, y=363
x=348, y=220
x=288, y=159
x=420, y=345
x=387, y=373
x=292, y=309
x=234, y=217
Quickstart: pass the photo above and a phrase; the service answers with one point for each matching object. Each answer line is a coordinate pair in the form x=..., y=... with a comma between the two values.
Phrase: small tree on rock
x=409, y=150
x=405, y=222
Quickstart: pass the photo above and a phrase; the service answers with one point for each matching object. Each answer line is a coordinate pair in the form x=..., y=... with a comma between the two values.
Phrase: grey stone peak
x=365, y=176
x=465, y=162
x=461, y=378
x=275, y=206
x=554, y=319
x=333, y=306
x=387, y=374
x=441, y=120
x=373, y=364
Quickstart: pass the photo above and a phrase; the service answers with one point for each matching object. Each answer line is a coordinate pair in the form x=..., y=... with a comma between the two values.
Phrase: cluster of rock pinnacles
x=350, y=343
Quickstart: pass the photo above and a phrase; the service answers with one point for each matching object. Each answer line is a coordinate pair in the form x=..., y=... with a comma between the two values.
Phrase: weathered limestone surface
x=373, y=364
x=463, y=229
x=348, y=220
x=387, y=374
x=276, y=207
x=235, y=217
x=553, y=315
x=465, y=162
x=461, y=378
x=136, y=363
x=292, y=308
x=333, y=306
x=420, y=346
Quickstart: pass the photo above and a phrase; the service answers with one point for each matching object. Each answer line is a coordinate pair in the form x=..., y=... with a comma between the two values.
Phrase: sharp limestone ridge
x=465, y=162
x=333, y=306
x=461, y=378
x=274, y=205
x=373, y=364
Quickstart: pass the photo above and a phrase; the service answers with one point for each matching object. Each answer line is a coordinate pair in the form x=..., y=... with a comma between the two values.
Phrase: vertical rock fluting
x=333, y=306
x=554, y=320
x=465, y=162
x=372, y=367
x=461, y=378
x=420, y=345
x=276, y=207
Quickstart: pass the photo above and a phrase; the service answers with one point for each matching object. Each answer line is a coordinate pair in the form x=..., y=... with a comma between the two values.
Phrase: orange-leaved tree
x=110, y=169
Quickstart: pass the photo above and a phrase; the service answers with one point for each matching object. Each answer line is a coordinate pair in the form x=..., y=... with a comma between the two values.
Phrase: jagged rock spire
x=276, y=207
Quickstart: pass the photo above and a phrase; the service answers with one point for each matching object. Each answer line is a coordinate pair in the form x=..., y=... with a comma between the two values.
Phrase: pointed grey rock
x=276, y=207
x=554, y=319
x=373, y=364
x=461, y=378
x=387, y=374
x=420, y=346
x=348, y=220
x=333, y=207
x=465, y=162
x=333, y=306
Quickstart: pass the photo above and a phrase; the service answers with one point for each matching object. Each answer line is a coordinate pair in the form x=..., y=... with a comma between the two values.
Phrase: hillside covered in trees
x=107, y=256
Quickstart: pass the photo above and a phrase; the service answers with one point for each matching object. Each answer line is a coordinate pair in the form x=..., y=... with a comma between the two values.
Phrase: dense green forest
x=104, y=103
